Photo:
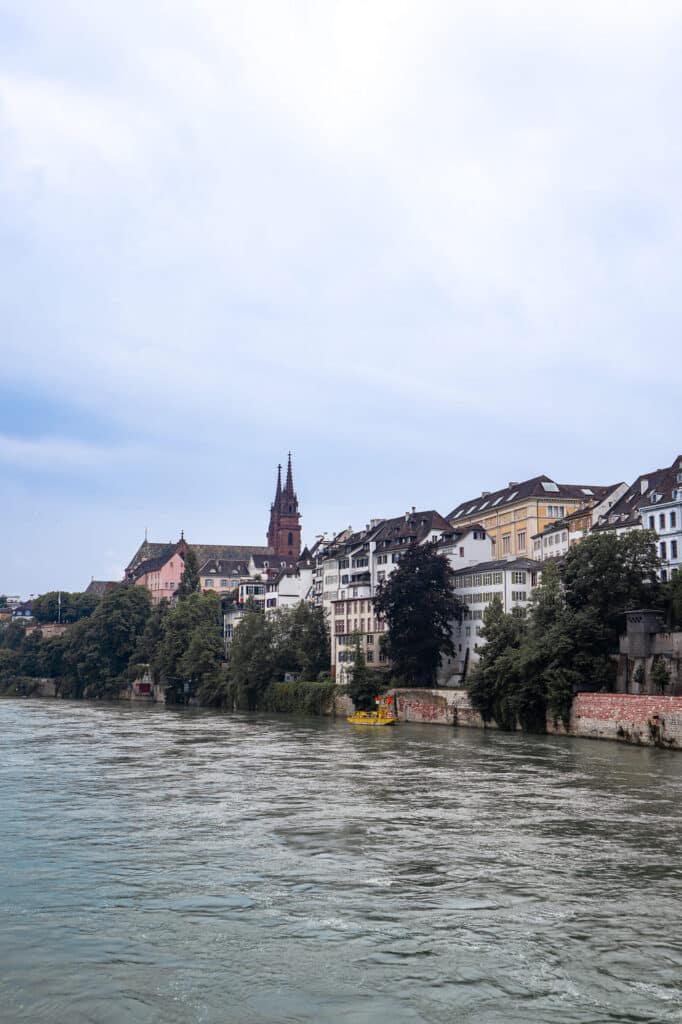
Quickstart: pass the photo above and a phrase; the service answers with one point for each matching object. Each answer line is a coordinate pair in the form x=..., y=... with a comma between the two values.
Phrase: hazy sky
x=429, y=246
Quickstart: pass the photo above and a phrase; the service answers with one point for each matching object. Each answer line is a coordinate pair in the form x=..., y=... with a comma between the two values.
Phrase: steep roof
x=151, y=550
x=224, y=567
x=626, y=511
x=413, y=527
x=537, y=487
x=101, y=587
x=227, y=552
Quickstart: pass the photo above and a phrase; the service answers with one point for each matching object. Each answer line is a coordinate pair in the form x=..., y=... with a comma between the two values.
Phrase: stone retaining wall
x=630, y=718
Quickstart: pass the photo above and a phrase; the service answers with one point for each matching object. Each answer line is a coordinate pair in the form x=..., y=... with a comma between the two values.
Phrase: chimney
x=513, y=483
x=486, y=494
x=414, y=509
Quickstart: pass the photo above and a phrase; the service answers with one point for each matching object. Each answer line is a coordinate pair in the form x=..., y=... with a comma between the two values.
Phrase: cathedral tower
x=284, y=531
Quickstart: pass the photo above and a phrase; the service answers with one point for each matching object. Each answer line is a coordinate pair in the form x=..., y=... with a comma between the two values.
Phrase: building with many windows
x=517, y=513
x=511, y=580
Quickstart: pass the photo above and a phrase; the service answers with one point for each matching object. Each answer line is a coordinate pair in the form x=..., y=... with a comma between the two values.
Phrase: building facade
x=514, y=515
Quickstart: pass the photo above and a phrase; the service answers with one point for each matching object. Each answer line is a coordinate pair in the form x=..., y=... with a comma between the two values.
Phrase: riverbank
x=624, y=717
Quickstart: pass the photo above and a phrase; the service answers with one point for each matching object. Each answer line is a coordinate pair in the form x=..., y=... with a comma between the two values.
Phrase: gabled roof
x=228, y=552
x=626, y=511
x=150, y=550
x=224, y=567
x=101, y=587
x=537, y=487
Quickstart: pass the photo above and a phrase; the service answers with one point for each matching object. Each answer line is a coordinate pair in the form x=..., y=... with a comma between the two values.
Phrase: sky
x=429, y=247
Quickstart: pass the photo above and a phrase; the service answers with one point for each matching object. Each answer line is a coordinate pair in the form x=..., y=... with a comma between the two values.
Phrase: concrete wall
x=629, y=718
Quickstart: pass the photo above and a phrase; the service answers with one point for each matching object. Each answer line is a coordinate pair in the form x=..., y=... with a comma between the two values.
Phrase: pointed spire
x=278, y=489
x=289, y=489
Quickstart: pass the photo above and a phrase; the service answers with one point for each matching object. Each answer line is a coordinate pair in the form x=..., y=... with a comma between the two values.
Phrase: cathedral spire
x=284, y=531
x=289, y=489
x=278, y=491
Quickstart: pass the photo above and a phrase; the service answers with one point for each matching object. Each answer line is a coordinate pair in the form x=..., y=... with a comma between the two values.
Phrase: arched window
x=291, y=539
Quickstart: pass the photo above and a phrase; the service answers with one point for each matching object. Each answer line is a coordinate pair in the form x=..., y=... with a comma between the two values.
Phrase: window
x=521, y=540
x=518, y=577
x=506, y=543
x=664, y=550
x=673, y=549
x=519, y=595
x=555, y=511
x=673, y=520
x=661, y=521
x=370, y=638
x=382, y=559
x=369, y=657
x=223, y=583
x=651, y=522
x=208, y=583
x=344, y=563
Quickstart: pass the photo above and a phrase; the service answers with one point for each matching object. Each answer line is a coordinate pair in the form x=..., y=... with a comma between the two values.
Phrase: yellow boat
x=371, y=718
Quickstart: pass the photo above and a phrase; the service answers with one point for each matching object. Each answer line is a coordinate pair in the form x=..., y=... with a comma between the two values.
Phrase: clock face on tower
x=284, y=531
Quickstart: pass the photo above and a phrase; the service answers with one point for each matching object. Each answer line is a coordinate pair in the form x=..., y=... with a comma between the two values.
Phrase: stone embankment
x=629, y=718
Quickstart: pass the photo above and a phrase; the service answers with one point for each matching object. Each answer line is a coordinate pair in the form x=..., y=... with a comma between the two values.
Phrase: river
x=185, y=866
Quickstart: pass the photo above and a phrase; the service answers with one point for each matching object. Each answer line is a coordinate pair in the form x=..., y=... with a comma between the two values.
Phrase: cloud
x=357, y=229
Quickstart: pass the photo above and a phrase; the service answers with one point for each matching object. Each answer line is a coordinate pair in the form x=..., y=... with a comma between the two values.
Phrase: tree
x=672, y=600
x=3, y=600
x=62, y=606
x=660, y=676
x=189, y=581
x=366, y=684
x=99, y=648
x=252, y=658
x=418, y=604
x=184, y=643
x=300, y=641
x=494, y=683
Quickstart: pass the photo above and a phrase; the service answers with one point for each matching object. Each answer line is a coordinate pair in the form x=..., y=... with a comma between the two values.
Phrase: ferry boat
x=378, y=717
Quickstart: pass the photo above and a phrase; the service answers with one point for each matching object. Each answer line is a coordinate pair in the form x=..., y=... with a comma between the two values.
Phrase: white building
x=662, y=512
x=511, y=580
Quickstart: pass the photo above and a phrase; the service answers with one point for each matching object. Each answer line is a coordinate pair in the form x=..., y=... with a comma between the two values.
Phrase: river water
x=178, y=866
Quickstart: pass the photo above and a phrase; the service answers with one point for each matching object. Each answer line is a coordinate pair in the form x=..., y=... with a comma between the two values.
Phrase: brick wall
x=629, y=718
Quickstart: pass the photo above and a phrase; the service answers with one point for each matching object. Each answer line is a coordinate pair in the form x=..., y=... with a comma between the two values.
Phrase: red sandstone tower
x=284, y=531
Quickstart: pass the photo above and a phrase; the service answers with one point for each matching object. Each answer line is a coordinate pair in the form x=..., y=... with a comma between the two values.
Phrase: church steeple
x=284, y=531
x=289, y=488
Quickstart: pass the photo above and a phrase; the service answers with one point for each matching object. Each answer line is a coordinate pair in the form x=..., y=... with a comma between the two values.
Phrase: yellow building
x=520, y=511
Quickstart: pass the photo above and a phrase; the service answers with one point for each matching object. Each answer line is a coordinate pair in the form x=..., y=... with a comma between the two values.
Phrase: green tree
x=99, y=648
x=3, y=600
x=660, y=676
x=419, y=605
x=184, y=643
x=252, y=657
x=365, y=684
x=495, y=681
x=300, y=641
x=62, y=606
x=189, y=581
x=672, y=600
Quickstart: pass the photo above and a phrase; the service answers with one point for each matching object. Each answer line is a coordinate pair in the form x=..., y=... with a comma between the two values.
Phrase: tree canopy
x=419, y=605
x=189, y=581
x=532, y=664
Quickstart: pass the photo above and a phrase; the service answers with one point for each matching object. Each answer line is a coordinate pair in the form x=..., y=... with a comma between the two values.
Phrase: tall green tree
x=418, y=603
x=495, y=682
x=189, y=581
x=185, y=642
x=99, y=648
x=252, y=657
x=672, y=600
x=62, y=606
x=365, y=683
x=301, y=641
